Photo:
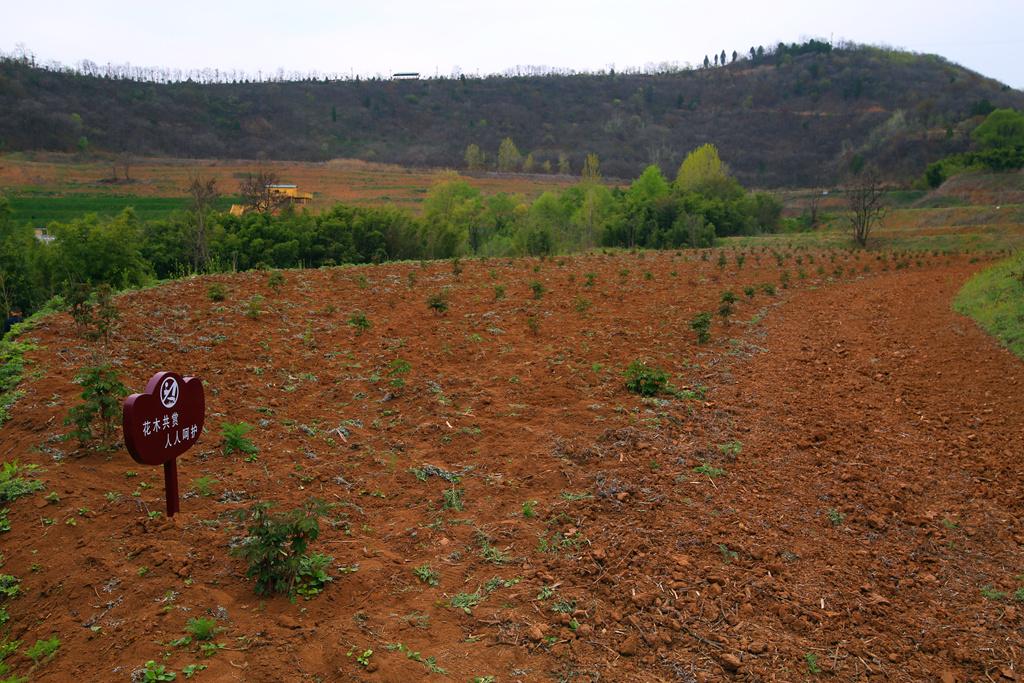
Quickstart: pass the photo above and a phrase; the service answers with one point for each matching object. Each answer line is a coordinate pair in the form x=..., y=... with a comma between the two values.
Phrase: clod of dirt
x=629, y=646
x=288, y=622
x=730, y=662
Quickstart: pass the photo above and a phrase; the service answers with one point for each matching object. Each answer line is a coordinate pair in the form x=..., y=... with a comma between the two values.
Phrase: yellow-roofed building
x=281, y=195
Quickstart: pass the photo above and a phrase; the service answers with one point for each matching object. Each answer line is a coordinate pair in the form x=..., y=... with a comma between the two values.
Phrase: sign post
x=162, y=423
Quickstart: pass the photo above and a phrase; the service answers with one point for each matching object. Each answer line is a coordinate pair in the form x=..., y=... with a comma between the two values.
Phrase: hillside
x=795, y=117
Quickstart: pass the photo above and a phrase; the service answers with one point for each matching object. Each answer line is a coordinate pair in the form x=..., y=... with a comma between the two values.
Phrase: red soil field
x=341, y=180
x=859, y=444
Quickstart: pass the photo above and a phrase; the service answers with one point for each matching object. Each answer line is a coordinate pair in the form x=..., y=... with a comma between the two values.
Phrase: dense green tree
x=474, y=158
x=590, y=213
x=451, y=209
x=22, y=265
x=1001, y=128
x=591, y=169
x=509, y=158
x=637, y=218
x=546, y=226
x=94, y=251
x=701, y=168
x=166, y=245
x=765, y=211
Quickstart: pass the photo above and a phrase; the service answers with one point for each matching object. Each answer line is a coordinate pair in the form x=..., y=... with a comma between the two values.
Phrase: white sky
x=438, y=36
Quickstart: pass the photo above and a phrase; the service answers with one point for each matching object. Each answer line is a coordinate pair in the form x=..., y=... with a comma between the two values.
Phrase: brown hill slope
x=793, y=118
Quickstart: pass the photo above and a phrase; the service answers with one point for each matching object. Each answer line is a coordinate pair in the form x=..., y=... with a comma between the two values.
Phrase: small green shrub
x=10, y=586
x=8, y=648
x=438, y=302
x=701, y=324
x=499, y=292
x=645, y=380
x=255, y=307
x=709, y=470
x=202, y=628
x=452, y=499
x=216, y=292
x=990, y=593
x=153, y=673
x=313, y=574
x=276, y=545
x=102, y=392
x=537, y=288
x=397, y=370
x=210, y=649
x=13, y=483
x=275, y=281
x=234, y=438
x=43, y=650
x=731, y=449
x=427, y=575
x=93, y=310
x=359, y=322
x=491, y=554
x=466, y=601
x=204, y=485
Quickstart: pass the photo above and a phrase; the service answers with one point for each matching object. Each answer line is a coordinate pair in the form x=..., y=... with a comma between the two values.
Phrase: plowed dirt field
x=831, y=490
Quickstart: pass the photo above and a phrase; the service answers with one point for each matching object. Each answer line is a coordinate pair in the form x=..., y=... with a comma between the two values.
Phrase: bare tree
x=256, y=189
x=864, y=197
x=203, y=192
x=125, y=159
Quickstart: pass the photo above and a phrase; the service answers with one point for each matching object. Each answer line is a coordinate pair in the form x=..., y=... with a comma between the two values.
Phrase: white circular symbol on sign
x=169, y=392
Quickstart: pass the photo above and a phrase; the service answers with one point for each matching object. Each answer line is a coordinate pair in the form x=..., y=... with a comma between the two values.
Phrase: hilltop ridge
x=796, y=116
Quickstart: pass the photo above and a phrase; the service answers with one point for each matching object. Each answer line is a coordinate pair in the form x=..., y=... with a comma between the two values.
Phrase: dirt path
x=878, y=402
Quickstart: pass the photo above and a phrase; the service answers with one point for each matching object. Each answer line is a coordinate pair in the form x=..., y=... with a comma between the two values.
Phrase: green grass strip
x=12, y=357
x=994, y=298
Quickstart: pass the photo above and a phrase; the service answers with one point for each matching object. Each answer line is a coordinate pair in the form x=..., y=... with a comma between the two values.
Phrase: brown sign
x=162, y=423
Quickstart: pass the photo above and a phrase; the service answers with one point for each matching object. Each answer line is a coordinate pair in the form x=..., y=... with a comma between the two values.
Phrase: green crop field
x=43, y=209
